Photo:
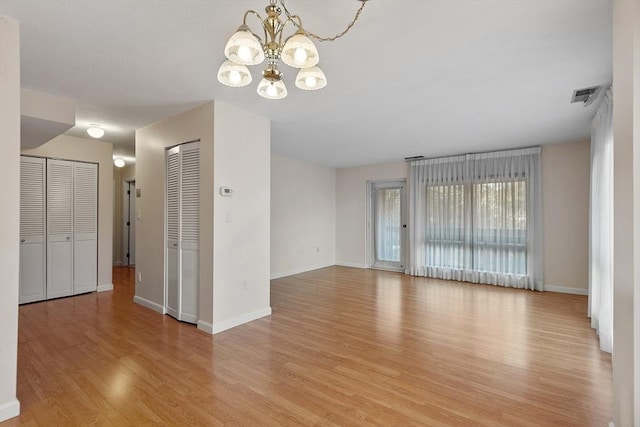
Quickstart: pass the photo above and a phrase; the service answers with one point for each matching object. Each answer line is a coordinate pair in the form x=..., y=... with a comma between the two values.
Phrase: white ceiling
x=413, y=77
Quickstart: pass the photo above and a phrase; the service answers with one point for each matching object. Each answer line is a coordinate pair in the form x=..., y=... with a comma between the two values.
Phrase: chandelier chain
x=326, y=39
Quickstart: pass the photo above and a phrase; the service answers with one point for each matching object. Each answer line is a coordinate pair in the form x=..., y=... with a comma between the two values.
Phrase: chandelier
x=297, y=51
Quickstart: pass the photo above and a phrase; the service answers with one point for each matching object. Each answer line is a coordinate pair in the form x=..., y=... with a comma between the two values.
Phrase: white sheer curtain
x=478, y=218
x=601, y=224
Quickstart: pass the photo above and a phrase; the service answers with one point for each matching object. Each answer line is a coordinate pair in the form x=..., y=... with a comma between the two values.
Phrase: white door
x=32, y=230
x=183, y=231
x=59, y=228
x=388, y=226
x=189, y=231
x=85, y=228
x=173, y=231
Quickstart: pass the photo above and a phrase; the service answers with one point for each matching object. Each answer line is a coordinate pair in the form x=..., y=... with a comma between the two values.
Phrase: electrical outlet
x=140, y=276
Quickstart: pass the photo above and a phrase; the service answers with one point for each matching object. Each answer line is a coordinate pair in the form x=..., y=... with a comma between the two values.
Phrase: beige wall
x=120, y=175
x=234, y=231
x=565, y=169
x=303, y=216
x=9, y=213
x=90, y=150
x=351, y=208
x=565, y=204
x=626, y=213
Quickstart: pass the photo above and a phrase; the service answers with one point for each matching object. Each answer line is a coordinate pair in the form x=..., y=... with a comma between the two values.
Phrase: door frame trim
x=126, y=215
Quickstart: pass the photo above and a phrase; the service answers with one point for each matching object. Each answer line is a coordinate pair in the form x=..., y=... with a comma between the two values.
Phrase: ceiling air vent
x=586, y=95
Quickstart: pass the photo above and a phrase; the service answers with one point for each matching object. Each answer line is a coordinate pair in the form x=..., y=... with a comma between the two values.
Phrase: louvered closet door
x=85, y=228
x=32, y=230
x=189, y=230
x=59, y=228
x=173, y=231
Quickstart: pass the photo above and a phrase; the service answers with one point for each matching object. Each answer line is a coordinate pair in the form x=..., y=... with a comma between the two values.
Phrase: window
x=472, y=218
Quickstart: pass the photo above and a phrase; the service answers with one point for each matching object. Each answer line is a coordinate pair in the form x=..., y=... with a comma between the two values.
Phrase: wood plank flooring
x=344, y=347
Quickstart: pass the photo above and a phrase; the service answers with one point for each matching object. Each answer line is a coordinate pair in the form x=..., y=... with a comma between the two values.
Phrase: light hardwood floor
x=343, y=347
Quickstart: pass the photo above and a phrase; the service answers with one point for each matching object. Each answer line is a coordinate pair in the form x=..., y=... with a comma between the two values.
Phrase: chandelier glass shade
x=311, y=79
x=298, y=51
x=233, y=74
x=272, y=89
x=244, y=48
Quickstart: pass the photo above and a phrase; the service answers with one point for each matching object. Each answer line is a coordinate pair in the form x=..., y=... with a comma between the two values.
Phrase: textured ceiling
x=413, y=77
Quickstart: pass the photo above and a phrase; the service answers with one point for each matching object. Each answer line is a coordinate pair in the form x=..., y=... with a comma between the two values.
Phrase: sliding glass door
x=387, y=225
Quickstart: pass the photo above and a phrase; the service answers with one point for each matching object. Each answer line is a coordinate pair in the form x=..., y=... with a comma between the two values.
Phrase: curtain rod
x=420, y=158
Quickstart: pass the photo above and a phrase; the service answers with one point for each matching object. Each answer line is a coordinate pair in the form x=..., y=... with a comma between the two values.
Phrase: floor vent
x=586, y=95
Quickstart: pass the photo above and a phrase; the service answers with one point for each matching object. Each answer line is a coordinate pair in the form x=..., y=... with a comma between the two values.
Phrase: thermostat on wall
x=226, y=191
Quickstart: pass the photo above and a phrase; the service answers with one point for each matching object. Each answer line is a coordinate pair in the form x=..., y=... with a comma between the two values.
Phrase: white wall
x=565, y=169
x=565, y=206
x=9, y=213
x=91, y=150
x=351, y=208
x=242, y=146
x=626, y=208
x=303, y=216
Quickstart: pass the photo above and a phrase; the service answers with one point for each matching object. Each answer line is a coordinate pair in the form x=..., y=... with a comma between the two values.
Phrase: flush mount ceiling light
x=95, y=131
x=118, y=162
x=298, y=51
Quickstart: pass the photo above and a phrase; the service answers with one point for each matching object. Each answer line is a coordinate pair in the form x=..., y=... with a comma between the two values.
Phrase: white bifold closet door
x=183, y=231
x=72, y=228
x=59, y=228
x=85, y=228
x=32, y=230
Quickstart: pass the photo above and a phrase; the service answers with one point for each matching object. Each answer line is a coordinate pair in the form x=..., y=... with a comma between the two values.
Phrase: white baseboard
x=611, y=424
x=352, y=265
x=299, y=271
x=240, y=320
x=566, y=290
x=206, y=327
x=104, y=288
x=118, y=263
x=9, y=410
x=149, y=304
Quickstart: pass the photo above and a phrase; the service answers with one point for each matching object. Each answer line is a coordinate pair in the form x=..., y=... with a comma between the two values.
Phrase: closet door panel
x=59, y=228
x=189, y=230
x=32, y=230
x=173, y=232
x=85, y=228
x=32, y=272
x=189, y=272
